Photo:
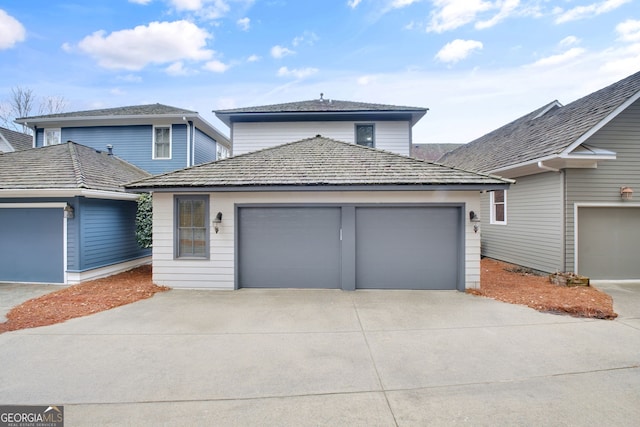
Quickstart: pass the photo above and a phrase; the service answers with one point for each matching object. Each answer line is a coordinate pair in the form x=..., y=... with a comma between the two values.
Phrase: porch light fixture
x=626, y=193
x=473, y=217
x=217, y=221
x=68, y=211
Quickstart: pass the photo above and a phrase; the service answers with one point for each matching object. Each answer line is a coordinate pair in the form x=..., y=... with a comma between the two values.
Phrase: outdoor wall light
x=68, y=211
x=217, y=221
x=473, y=217
x=626, y=193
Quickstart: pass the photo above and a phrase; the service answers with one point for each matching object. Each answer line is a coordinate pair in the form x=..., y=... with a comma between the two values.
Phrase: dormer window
x=365, y=135
x=162, y=142
x=52, y=136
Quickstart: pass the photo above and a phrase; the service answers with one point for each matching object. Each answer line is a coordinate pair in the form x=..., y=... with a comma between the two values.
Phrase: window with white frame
x=222, y=152
x=365, y=135
x=192, y=227
x=162, y=142
x=498, y=202
x=52, y=136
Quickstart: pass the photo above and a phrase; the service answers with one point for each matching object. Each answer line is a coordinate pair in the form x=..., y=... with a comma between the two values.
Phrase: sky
x=475, y=64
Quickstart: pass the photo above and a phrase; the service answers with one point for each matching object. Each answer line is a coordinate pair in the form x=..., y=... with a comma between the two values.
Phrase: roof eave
x=64, y=192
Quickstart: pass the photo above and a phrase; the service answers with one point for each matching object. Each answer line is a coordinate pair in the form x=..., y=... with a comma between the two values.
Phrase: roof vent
x=321, y=97
x=110, y=149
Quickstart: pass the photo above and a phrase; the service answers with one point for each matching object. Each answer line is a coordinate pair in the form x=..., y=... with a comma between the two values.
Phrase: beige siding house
x=576, y=167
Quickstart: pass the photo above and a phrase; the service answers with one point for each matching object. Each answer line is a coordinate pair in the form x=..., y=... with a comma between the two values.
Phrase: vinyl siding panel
x=133, y=144
x=602, y=185
x=394, y=136
x=219, y=271
x=107, y=233
x=205, y=148
x=532, y=236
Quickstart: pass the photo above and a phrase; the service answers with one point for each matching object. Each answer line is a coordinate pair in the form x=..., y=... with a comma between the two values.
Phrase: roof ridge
x=77, y=165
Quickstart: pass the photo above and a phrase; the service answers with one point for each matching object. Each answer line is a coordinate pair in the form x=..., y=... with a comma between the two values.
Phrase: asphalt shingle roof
x=316, y=161
x=531, y=137
x=66, y=166
x=18, y=140
x=132, y=110
x=321, y=105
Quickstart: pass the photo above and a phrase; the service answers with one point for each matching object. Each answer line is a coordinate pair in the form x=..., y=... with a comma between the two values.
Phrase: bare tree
x=21, y=102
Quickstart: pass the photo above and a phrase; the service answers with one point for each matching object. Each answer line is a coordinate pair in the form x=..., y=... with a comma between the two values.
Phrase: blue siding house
x=156, y=138
x=64, y=215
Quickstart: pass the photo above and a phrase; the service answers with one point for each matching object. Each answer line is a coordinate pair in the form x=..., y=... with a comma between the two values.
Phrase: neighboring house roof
x=330, y=108
x=553, y=134
x=316, y=162
x=10, y=140
x=129, y=115
x=68, y=166
x=431, y=152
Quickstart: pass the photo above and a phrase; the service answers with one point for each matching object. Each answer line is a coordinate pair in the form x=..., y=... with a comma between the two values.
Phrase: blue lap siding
x=205, y=148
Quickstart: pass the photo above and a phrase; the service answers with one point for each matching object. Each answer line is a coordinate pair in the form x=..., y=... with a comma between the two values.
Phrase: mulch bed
x=509, y=283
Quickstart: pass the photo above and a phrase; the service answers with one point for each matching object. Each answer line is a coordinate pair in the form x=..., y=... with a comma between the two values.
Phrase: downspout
x=188, y=141
x=35, y=136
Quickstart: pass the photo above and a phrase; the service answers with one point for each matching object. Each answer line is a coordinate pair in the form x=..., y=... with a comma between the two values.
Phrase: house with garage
x=382, y=126
x=155, y=137
x=11, y=141
x=318, y=213
x=577, y=167
x=64, y=215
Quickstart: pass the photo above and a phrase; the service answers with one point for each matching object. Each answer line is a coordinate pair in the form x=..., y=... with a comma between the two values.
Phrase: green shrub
x=144, y=221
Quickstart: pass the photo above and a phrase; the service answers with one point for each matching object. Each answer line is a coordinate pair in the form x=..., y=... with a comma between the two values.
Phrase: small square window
x=498, y=202
x=52, y=136
x=365, y=135
x=162, y=142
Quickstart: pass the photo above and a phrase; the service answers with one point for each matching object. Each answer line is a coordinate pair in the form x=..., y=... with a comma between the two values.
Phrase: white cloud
x=451, y=14
x=216, y=66
x=156, y=43
x=629, y=30
x=397, y=4
x=207, y=9
x=177, y=69
x=366, y=80
x=569, y=41
x=507, y=8
x=11, y=31
x=117, y=91
x=253, y=58
x=244, y=23
x=143, y=2
x=191, y=5
x=594, y=9
x=298, y=73
x=457, y=50
x=130, y=78
x=308, y=37
x=353, y=3
x=560, y=58
x=280, y=51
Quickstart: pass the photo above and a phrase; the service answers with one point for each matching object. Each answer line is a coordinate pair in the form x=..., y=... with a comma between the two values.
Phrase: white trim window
x=498, y=204
x=192, y=227
x=365, y=135
x=52, y=136
x=161, y=142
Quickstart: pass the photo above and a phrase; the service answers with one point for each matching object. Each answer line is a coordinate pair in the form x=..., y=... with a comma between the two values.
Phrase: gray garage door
x=608, y=243
x=289, y=247
x=31, y=245
x=407, y=247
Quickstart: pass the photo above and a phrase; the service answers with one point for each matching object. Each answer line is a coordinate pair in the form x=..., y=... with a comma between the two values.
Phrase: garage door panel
x=31, y=245
x=407, y=247
x=289, y=247
x=607, y=242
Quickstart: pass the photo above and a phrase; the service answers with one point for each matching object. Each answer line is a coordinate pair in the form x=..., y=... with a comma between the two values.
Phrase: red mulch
x=83, y=299
x=508, y=283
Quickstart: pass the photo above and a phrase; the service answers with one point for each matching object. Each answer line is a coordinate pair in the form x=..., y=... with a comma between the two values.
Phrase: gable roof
x=129, y=115
x=319, y=107
x=317, y=162
x=548, y=133
x=17, y=141
x=431, y=152
x=68, y=166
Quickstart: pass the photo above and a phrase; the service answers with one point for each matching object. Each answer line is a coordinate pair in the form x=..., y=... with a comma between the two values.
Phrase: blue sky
x=476, y=64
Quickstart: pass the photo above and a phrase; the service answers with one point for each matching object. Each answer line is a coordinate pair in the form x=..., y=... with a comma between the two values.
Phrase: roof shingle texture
x=316, y=161
x=18, y=140
x=66, y=166
x=531, y=137
x=133, y=110
x=320, y=105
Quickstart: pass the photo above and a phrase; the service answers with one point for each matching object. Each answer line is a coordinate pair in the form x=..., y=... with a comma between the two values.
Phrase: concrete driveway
x=305, y=357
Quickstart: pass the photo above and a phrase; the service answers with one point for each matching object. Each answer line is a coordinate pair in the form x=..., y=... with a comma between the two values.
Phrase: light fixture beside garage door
x=217, y=221
x=626, y=193
x=68, y=211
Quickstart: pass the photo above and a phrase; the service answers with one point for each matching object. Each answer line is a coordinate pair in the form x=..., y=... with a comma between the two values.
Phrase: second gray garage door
x=289, y=247
x=407, y=247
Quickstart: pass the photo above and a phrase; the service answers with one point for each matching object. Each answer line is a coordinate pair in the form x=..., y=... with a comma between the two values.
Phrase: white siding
x=532, y=236
x=219, y=271
x=391, y=136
